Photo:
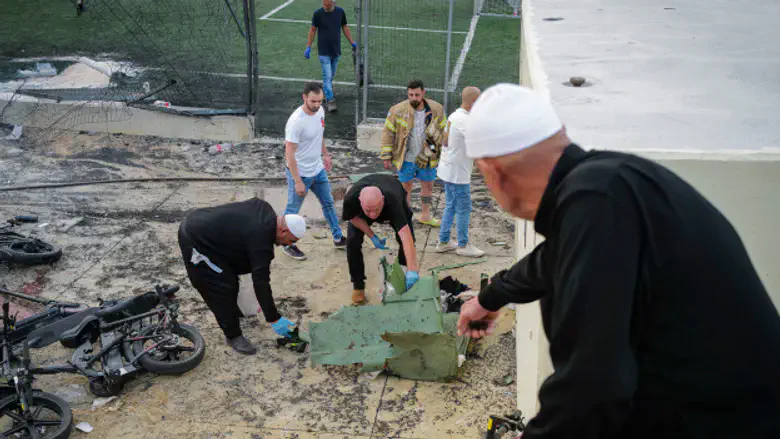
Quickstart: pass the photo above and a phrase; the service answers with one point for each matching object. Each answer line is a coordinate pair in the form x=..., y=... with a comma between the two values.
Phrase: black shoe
x=332, y=106
x=294, y=252
x=341, y=244
x=242, y=345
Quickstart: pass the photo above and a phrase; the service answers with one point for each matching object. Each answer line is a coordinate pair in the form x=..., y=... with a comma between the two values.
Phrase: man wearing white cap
x=659, y=325
x=219, y=243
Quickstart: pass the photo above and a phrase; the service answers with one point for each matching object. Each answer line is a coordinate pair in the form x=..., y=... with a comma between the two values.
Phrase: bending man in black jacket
x=219, y=243
x=659, y=325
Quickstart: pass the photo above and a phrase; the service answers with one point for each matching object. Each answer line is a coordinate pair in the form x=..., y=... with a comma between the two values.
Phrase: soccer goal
x=497, y=8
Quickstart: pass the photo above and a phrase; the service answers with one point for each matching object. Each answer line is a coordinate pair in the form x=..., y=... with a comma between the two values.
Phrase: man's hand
x=283, y=327
x=307, y=52
x=328, y=162
x=300, y=188
x=387, y=163
x=475, y=321
x=379, y=243
x=411, y=278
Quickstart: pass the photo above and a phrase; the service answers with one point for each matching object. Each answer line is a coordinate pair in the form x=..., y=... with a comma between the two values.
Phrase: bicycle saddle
x=54, y=332
x=88, y=329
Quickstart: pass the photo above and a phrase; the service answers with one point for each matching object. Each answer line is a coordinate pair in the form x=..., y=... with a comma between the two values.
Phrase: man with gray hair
x=659, y=325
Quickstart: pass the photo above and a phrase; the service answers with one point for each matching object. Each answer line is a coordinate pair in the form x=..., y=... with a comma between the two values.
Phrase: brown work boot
x=358, y=297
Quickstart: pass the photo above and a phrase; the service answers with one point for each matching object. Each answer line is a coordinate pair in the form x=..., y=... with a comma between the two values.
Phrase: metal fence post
x=254, y=79
x=448, y=59
x=358, y=61
x=249, y=57
x=366, y=18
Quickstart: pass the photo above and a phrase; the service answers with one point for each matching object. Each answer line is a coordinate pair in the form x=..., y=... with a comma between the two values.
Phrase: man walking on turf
x=378, y=198
x=411, y=143
x=308, y=164
x=219, y=243
x=328, y=23
x=455, y=171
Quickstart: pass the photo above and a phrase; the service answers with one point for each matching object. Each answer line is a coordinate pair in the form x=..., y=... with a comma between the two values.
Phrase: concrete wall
x=118, y=118
x=743, y=184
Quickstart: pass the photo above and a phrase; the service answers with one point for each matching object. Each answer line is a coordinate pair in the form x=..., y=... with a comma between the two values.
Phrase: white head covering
x=296, y=224
x=508, y=118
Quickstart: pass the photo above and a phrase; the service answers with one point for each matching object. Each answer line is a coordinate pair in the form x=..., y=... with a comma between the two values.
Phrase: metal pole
x=248, y=56
x=447, y=59
x=254, y=79
x=366, y=18
x=358, y=60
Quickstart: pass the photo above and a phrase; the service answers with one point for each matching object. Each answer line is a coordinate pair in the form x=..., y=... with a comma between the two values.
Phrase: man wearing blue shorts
x=411, y=143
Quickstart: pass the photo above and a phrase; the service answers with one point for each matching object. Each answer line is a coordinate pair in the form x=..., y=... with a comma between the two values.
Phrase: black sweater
x=658, y=323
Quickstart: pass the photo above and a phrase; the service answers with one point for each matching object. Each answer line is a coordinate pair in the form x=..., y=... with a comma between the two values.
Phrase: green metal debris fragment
x=408, y=334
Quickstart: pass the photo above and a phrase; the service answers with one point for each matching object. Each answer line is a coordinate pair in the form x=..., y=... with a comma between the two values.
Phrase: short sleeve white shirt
x=307, y=132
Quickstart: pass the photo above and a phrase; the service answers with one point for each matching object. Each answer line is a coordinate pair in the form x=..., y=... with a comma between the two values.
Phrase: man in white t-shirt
x=455, y=170
x=308, y=163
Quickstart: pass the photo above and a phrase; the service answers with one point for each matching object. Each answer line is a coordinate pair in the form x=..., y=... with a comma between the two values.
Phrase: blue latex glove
x=354, y=44
x=379, y=243
x=411, y=278
x=283, y=327
x=307, y=53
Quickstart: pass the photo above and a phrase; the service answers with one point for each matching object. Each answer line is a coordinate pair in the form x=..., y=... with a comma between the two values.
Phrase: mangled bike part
x=22, y=250
x=32, y=413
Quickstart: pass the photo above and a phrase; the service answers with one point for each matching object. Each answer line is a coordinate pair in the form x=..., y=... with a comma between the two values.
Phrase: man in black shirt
x=328, y=23
x=219, y=243
x=378, y=198
x=658, y=323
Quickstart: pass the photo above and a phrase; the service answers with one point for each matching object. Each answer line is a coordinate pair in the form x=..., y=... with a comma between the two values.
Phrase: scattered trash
x=372, y=375
x=247, y=301
x=73, y=394
x=505, y=380
x=42, y=225
x=41, y=70
x=450, y=290
x=16, y=133
x=319, y=234
x=85, y=427
x=496, y=242
x=100, y=402
x=220, y=147
x=461, y=360
x=162, y=104
x=147, y=386
x=66, y=225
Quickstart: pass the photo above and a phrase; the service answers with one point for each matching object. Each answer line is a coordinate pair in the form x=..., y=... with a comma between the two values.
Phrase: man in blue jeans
x=328, y=23
x=308, y=164
x=455, y=170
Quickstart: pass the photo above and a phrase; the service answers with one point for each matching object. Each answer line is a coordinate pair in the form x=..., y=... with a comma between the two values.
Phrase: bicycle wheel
x=50, y=417
x=28, y=251
x=171, y=352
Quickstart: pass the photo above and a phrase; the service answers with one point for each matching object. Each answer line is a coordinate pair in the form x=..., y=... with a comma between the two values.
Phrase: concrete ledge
x=114, y=117
x=369, y=136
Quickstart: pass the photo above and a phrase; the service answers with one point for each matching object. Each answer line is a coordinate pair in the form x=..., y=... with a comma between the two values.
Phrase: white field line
x=464, y=51
x=277, y=9
x=410, y=29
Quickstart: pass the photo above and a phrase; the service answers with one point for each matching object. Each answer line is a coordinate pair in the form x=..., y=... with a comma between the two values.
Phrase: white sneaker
x=444, y=248
x=469, y=251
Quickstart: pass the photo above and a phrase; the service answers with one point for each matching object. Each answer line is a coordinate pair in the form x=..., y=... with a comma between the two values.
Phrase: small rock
x=505, y=380
x=577, y=81
x=319, y=235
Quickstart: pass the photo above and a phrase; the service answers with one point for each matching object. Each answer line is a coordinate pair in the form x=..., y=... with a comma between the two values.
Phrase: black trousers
x=357, y=268
x=219, y=290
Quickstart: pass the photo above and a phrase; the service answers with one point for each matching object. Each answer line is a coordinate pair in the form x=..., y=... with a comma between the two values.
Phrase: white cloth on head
x=296, y=224
x=307, y=132
x=507, y=118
